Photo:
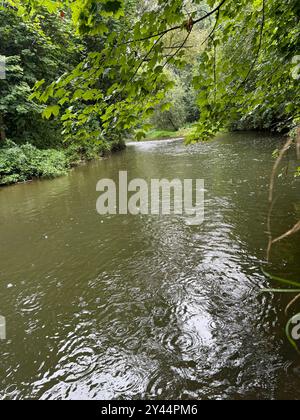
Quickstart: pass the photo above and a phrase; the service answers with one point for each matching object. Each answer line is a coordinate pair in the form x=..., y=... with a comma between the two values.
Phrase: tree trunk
x=172, y=123
x=2, y=129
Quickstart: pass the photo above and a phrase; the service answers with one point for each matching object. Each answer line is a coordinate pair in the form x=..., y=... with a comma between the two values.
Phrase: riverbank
x=23, y=163
x=156, y=134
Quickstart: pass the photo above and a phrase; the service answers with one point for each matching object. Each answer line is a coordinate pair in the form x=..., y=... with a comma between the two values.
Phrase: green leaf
x=166, y=107
x=51, y=110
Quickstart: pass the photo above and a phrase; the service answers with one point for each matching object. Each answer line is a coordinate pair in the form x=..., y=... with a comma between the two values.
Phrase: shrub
x=22, y=163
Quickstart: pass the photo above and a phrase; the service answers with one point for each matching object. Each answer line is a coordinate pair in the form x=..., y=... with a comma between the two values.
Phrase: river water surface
x=146, y=307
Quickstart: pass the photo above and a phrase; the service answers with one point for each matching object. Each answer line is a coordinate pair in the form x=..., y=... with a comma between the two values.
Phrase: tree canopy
x=242, y=71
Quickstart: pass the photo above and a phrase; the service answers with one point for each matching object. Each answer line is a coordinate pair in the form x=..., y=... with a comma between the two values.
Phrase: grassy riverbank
x=26, y=162
x=21, y=163
x=156, y=134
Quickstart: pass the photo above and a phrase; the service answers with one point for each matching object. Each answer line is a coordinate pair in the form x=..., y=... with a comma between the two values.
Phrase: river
x=149, y=307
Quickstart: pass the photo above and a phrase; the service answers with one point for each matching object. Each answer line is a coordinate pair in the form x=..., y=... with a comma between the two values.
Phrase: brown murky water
x=131, y=307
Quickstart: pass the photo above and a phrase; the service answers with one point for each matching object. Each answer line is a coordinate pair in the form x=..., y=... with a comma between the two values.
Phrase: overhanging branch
x=174, y=28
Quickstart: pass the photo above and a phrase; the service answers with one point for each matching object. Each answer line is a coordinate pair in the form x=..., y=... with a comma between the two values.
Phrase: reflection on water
x=144, y=306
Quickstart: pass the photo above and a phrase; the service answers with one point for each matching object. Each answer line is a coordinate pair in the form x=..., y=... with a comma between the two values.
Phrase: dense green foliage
x=172, y=114
x=21, y=163
x=246, y=74
x=105, y=68
x=33, y=51
x=37, y=51
x=243, y=73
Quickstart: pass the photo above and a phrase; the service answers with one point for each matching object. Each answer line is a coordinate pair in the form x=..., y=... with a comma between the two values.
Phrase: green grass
x=166, y=134
x=161, y=134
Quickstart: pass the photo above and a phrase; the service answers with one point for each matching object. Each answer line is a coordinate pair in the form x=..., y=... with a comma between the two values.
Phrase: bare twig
x=145, y=58
x=178, y=49
x=296, y=228
x=271, y=192
x=271, y=207
x=213, y=30
x=291, y=232
x=292, y=302
x=174, y=28
x=276, y=166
